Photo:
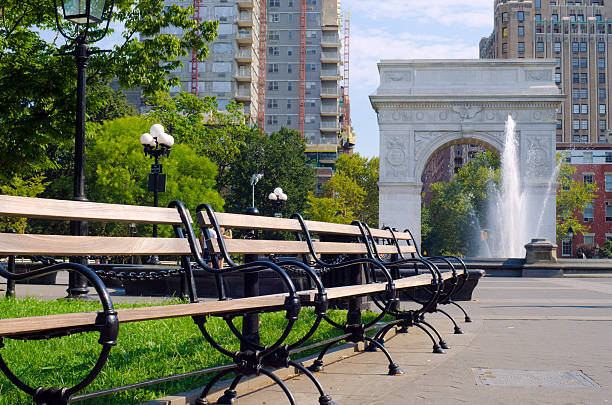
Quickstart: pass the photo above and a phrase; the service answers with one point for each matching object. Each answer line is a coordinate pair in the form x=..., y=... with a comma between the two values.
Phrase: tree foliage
x=572, y=196
x=218, y=135
x=280, y=157
x=118, y=170
x=25, y=187
x=354, y=188
x=37, y=88
x=457, y=209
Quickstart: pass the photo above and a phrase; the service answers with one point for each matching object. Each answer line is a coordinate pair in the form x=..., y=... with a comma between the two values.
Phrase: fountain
x=509, y=211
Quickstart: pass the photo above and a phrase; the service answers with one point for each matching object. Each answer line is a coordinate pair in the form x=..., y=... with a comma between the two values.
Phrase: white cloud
x=368, y=46
x=472, y=13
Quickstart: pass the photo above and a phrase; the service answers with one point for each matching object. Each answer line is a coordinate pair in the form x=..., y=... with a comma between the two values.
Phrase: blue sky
x=406, y=29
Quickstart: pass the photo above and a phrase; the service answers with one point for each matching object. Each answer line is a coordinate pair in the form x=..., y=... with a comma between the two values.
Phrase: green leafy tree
x=29, y=187
x=457, y=208
x=37, y=88
x=572, y=196
x=119, y=170
x=281, y=158
x=328, y=209
x=218, y=135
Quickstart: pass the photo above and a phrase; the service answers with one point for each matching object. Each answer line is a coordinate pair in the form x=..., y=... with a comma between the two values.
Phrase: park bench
x=256, y=255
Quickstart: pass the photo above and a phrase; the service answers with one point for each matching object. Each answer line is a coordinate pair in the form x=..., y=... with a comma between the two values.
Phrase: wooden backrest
x=67, y=210
x=240, y=221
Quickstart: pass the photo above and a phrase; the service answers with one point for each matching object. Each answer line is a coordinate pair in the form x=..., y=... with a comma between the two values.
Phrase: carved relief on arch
x=538, y=159
x=396, y=158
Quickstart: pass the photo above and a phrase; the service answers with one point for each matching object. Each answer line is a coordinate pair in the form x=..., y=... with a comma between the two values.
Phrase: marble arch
x=423, y=105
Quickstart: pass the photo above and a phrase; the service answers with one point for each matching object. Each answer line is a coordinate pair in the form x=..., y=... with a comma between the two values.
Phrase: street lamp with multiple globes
x=278, y=199
x=85, y=14
x=157, y=144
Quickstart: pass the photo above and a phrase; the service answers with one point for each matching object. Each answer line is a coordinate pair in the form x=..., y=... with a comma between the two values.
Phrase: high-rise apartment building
x=574, y=33
x=232, y=70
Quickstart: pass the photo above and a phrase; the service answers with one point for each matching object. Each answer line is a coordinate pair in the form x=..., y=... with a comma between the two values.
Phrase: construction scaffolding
x=194, y=55
x=302, y=85
x=346, y=122
x=263, y=34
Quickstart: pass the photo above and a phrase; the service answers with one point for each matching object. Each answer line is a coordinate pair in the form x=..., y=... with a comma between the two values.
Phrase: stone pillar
x=400, y=207
x=541, y=259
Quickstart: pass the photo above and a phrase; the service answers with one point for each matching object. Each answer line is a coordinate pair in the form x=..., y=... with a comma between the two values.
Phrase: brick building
x=594, y=165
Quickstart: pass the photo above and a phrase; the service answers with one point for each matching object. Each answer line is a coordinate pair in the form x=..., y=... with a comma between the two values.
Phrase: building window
x=602, y=109
x=575, y=47
x=603, y=128
x=566, y=247
x=575, y=78
x=274, y=50
x=584, y=124
x=274, y=3
x=504, y=17
x=521, y=47
x=555, y=17
x=585, y=139
x=273, y=36
x=583, y=62
x=583, y=78
x=558, y=60
x=537, y=3
x=274, y=17
x=272, y=103
x=520, y=16
x=289, y=120
x=583, y=47
x=289, y=86
x=588, y=213
x=575, y=94
x=589, y=238
x=272, y=119
x=289, y=68
x=608, y=175
x=538, y=17
x=602, y=94
x=576, y=108
x=584, y=109
x=504, y=48
x=576, y=125
x=601, y=63
x=521, y=31
x=602, y=78
x=540, y=46
x=608, y=210
x=575, y=63
x=273, y=68
x=558, y=49
x=587, y=158
x=273, y=86
x=584, y=93
x=576, y=139
x=288, y=104
x=557, y=78
x=601, y=47
x=587, y=178
x=559, y=124
x=289, y=19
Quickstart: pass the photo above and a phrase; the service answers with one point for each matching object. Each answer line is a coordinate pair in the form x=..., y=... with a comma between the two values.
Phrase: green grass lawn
x=145, y=350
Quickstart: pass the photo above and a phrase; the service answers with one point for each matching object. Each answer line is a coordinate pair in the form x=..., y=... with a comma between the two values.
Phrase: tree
x=37, y=88
x=118, y=170
x=572, y=196
x=29, y=187
x=355, y=189
x=328, y=209
x=218, y=135
x=457, y=208
x=281, y=158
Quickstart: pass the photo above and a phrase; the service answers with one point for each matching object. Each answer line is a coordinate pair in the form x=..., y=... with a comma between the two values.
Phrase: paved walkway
x=520, y=326
x=525, y=333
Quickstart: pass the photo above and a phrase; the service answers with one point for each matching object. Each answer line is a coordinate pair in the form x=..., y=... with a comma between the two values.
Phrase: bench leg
x=467, y=317
x=280, y=383
x=317, y=365
x=436, y=347
x=441, y=341
x=229, y=396
x=324, y=399
x=458, y=330
x=202, y=400
x=394, y=369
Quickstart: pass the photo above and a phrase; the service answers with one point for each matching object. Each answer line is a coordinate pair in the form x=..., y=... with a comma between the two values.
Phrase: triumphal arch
x=426, y=105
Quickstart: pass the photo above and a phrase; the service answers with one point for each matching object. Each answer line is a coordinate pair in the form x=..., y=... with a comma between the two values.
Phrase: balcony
x=243, y=75
x=244, y=56
x=331, y=74
x=245, y=19
x=245, y=4
x=244, y=37
x=330, y=41
x=330, y=92
x=332, y=110
x=243, y=94
x=330, y=57
x=330, y=126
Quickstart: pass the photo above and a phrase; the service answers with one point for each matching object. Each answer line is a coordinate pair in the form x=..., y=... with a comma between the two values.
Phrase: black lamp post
x=157, y=144
x=278, y=199
x=85, y=14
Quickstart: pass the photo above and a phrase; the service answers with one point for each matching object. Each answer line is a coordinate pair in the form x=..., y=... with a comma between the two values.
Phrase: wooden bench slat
x=28, y=207
x=242, y=221
x=64, y=245
x=40, y=324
